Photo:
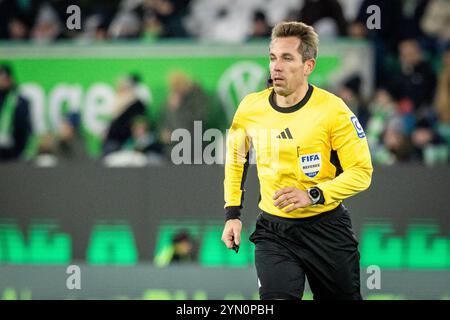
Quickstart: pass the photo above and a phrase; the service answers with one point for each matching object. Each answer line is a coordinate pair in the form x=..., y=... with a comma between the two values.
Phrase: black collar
x=294, y=107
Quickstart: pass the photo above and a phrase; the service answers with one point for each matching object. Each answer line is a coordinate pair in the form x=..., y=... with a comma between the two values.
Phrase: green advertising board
x=114, y=244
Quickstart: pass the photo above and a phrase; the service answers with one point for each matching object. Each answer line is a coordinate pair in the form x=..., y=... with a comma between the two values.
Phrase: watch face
x=314, y=193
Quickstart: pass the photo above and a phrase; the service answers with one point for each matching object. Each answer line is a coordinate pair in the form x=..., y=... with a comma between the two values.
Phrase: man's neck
x=293, y=98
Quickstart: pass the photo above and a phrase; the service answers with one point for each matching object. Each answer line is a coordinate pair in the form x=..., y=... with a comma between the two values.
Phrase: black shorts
x=323, y=248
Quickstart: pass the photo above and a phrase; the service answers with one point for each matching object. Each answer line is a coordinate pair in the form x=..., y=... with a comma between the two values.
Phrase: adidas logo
x=285, y=134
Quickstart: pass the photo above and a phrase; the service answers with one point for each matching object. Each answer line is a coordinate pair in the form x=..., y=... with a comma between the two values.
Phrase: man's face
x=183, y=247
x=5, y=81
x=410, y=53
x=287, y=69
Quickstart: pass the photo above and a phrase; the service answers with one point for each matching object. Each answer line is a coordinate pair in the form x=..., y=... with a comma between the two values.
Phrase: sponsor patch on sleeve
x=358, y=127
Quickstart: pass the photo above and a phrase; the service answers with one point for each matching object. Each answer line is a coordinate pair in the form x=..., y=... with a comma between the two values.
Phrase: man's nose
x=277, y=66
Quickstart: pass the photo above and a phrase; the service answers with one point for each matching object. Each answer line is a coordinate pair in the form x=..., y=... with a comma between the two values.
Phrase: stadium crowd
x=407, y=119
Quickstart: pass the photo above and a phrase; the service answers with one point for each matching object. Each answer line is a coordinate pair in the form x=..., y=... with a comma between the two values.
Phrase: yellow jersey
x=315, y=143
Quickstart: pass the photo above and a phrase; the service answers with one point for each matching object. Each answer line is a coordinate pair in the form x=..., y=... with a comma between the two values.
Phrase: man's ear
x=309, y=66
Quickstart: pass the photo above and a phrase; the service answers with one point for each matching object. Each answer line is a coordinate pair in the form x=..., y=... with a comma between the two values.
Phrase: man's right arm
x=236, y=164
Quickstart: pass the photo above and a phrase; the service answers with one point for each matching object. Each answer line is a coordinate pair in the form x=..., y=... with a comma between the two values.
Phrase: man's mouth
x=277, y=79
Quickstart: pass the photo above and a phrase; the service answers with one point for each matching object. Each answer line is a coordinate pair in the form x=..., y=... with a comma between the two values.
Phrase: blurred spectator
x=152, y=27
x=185, y=103
x=260, y=27
x=18, y=30
x=65, y=146
x=142, y=138
x=96, y=19
x=150, y=19
x=384, y=39
x=398, y=20
x=15, y=118
x=95, y=28
x=70, y=143
x=126, y=25
x=141, y=149
x=383, y=110
x=396, y=142
x=350, y=92
x=126, y=107
x=436, y=20
x=415, y=83
x=429, y=147
x=326, y=16
x=16, y=18
x=48, y=26
x=184, y=248
x=166, y=16
x=442, y=98
x=411, y=15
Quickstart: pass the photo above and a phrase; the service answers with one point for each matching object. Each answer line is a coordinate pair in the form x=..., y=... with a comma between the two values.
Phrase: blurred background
x=90, y=96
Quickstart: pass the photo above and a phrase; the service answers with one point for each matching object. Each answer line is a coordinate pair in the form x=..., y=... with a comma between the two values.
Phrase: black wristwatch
x=314, y=194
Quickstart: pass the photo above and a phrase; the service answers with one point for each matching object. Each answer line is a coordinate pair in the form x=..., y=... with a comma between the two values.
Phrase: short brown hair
x=309, y=40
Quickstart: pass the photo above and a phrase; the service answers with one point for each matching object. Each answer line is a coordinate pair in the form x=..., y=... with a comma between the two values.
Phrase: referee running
x=311, y=154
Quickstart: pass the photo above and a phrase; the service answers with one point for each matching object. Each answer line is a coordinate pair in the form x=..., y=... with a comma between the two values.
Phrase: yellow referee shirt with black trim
x=318, y=142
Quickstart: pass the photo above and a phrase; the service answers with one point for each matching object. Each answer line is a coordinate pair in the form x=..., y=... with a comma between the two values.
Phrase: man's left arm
x=349, y=141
